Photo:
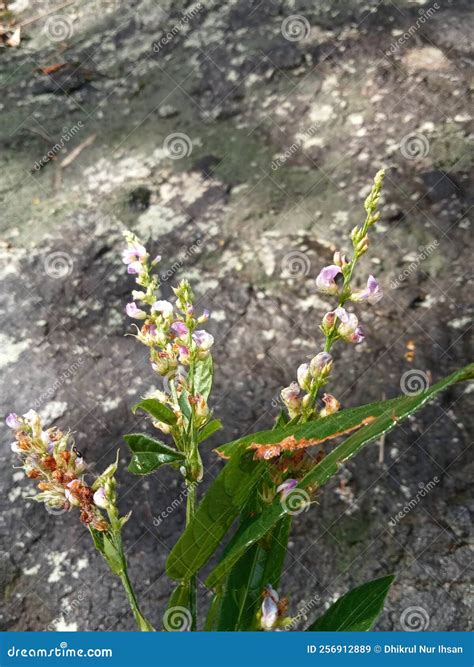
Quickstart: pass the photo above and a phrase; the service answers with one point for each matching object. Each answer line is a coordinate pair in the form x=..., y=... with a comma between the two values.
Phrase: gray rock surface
x=278, y=140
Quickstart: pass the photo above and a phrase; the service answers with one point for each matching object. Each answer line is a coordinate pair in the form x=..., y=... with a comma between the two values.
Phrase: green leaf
x=220, y=506
x=355, y=611
x=209, y=429
x=259, y=566
x=113, y=556
x=387, y=414
x=178, y=615
x=345, y=419
x=98, y=538
x=157, y=410
x=183, y=401
x=281, y=420
x=149, y=454
x=213, y=614
x=203, y=376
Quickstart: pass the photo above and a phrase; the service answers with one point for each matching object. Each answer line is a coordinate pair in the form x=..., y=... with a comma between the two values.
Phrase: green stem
x=190, y=509
x=141, y=621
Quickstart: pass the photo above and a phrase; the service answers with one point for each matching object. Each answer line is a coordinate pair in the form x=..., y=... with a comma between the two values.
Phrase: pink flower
x=349, y=328
x=328, y=279
x=135, y=268
x=135, y=312
x=203, y=340
x=179, y=328
x=372, y=293
x=286, y=487
x=165, y=308
x=133, y=253
x=13, y=421
x=100, y=498
x=183, y=353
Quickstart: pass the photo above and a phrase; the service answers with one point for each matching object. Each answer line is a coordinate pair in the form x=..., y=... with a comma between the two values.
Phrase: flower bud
x=339, y=259
x=161, y=426
x=100, y=498
x=269, y=610
x=291, y=398
x=328, y=322
x=355, y=234
x=320, y=365
x=362, y=245
x=132, y=310
x=304, y=376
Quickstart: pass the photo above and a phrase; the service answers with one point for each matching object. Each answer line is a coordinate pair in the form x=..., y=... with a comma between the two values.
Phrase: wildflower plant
x=269, y=477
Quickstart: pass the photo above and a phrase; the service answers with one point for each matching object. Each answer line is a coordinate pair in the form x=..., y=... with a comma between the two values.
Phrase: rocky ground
x=240, y=138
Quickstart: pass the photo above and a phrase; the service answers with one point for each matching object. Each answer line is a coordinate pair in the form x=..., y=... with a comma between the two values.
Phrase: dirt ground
x=239, y=138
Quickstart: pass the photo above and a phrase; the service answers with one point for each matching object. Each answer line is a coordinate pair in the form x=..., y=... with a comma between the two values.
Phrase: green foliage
x=357, y=610
x=149, y=454
x=157, y=410
x=259, y=566
x=231, y=489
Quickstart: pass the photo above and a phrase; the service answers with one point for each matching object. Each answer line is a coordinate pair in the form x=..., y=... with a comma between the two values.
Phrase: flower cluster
x=338, y=324
x=171, y=330
x=50, y=457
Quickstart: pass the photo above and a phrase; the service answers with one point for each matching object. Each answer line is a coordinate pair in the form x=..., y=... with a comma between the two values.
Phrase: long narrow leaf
x=357, y=610
x=261, y=565
x=221, y=505
x=389, y=414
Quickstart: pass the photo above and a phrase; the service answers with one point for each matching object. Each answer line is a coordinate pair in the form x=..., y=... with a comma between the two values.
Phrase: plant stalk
x=141, y=621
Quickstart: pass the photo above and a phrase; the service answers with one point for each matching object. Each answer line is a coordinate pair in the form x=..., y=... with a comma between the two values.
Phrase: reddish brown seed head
x=49, y=462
